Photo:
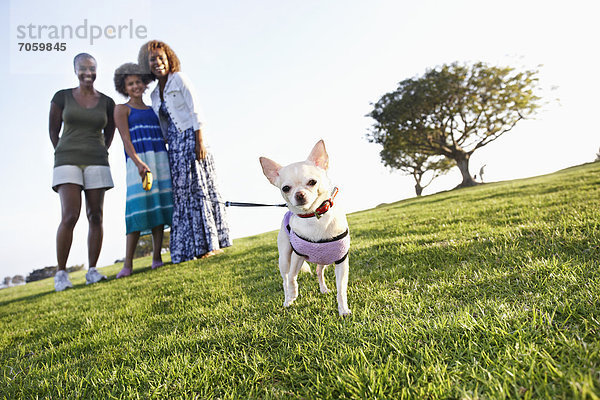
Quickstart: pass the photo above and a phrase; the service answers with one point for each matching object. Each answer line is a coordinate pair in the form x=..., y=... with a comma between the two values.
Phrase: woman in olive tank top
x=81, y=163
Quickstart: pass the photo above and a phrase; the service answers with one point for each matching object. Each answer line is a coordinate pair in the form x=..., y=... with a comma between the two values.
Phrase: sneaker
x=61, y=281
x=93, y=276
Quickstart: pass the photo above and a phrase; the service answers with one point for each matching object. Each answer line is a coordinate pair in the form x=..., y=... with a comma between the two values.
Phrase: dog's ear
x=319, y=156
x=270, y=169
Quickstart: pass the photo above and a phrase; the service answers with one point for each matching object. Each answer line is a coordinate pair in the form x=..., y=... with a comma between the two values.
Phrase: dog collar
x=323, y=208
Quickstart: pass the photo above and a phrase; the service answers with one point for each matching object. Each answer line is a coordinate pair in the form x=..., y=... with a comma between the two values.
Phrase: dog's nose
x=300, y=198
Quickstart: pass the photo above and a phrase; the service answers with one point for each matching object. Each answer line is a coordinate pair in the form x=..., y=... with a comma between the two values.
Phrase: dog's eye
x=312, y=182
x=285, y=189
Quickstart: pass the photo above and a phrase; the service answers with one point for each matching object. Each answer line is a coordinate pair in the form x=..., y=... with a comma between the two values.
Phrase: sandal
x=156, y=264
x=124, y=272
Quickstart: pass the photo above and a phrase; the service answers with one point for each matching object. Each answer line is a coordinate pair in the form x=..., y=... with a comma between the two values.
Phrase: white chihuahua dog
x=313, y=229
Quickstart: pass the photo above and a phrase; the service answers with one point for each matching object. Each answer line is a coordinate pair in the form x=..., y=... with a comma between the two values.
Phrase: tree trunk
x=462, y=161
x=418, y=175
x=418, y=189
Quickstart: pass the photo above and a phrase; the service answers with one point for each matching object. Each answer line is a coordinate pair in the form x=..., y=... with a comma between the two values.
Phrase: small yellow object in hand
x=147, y=181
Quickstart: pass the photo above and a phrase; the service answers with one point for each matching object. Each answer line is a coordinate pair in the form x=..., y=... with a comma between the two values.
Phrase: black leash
x=238, y=204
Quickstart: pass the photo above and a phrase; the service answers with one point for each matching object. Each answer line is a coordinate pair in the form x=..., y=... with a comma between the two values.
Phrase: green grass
x=486, y=292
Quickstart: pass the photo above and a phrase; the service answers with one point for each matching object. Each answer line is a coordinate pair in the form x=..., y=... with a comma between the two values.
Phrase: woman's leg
x=94, y=200
x=130, y=245
x=157, y=239
x=70, y=201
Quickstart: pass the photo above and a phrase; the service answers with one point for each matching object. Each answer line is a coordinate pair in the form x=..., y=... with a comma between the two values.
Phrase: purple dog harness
x=323, y=252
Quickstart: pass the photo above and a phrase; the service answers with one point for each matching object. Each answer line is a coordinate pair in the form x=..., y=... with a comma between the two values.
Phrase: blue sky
x=276, y=76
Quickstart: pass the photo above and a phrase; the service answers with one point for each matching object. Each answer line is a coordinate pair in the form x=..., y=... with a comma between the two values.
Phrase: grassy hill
x=486, y=292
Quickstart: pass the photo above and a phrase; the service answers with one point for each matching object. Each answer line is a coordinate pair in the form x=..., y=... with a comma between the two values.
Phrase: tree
x=455, y=109
x=400, y=156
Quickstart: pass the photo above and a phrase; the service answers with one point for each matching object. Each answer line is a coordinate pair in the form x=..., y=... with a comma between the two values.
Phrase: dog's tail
x=305, y=268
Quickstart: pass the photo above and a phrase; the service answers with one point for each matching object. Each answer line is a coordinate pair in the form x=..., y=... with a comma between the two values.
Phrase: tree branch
x=493, y=137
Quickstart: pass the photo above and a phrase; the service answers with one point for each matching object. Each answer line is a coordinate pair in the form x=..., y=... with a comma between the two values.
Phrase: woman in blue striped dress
x=145, y=150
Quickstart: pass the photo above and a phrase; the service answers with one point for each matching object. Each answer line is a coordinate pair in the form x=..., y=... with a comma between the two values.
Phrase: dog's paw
x=344, y=312
x=288, y=303
x=324, y=290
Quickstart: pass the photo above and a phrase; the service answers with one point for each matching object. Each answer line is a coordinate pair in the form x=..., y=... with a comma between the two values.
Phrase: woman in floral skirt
x=199, y=225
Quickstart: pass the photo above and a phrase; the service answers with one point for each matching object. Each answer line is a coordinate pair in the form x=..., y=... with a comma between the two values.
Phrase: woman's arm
x=188, y=92
x=121, y=121
x=189, y=95
x=109, y=129
x=55, y=123
x=200, y=147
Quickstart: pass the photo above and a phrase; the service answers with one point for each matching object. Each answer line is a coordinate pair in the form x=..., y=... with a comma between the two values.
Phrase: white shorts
x=86, y=176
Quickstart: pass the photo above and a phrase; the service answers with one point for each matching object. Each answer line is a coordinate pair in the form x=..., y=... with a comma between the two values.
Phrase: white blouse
x=181, y=102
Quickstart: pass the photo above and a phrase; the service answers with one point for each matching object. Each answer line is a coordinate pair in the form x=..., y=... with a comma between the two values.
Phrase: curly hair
x=174, y=64
x=129, y=69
